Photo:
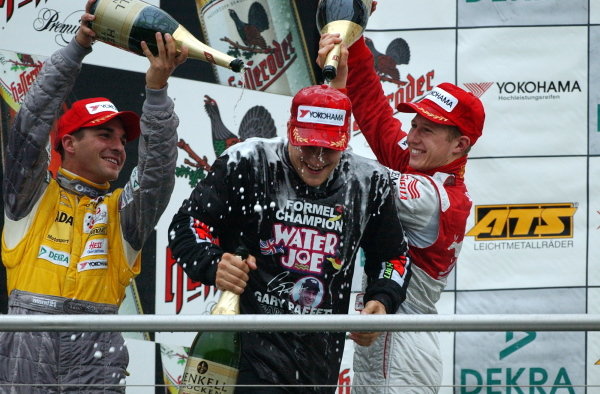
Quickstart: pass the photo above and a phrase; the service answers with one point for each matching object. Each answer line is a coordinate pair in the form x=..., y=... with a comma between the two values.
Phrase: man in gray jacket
x=69, y=245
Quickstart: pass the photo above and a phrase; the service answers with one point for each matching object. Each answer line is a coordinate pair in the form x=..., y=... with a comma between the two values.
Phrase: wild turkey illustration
x=257, y=122
x=396, y=53
x=25, y=59
x=249, y=32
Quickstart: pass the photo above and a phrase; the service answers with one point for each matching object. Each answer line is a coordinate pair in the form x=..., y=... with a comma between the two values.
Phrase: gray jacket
x=61, y=362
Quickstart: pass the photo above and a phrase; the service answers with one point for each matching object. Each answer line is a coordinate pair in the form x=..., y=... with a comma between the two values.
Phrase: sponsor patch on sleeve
x=54, y=256
x=96, y=264
x=396, y=269
x=95, y=247
x=403, y=143
x=99, y=216
x=100, y=106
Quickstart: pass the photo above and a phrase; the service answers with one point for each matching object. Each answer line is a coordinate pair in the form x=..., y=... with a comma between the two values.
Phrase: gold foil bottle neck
x=228, y=304
x=202, y=3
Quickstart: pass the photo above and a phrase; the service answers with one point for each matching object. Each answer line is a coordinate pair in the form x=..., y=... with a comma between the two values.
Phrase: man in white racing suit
x=431, y=159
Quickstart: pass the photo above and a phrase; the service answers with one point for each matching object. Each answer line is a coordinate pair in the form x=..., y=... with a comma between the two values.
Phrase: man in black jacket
x=302, y=208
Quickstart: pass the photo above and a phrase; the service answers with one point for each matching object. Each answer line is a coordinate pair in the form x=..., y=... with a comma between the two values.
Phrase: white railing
x=185, y=323
x=345, y=323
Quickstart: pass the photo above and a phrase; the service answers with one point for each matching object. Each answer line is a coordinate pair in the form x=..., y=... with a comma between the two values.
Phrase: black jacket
x=304, y=238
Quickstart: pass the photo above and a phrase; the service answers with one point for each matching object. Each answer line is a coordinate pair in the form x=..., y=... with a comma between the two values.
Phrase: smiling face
x=313, y=164
x=433, y=145
x=96, y=153
x=307, y=297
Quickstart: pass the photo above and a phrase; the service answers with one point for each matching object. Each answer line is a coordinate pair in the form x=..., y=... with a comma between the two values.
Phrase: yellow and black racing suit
x=70, y=246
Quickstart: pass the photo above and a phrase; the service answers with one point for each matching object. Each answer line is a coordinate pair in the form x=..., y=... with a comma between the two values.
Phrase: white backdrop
x=534, y=64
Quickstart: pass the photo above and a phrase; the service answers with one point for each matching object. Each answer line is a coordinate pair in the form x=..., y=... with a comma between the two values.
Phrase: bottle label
x=114, y=21
x=204, y=376
x=263, y=33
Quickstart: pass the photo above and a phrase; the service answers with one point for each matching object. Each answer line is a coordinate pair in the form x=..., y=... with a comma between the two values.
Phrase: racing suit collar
x=456, y=168
x=79, y=185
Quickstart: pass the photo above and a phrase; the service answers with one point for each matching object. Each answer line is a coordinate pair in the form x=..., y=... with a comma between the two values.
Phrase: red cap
x=320, y=116
x=450, y=105
x=94, y=112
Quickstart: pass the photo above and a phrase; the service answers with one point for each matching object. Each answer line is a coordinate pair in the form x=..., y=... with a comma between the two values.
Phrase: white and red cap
x=450, y=105
x=93, y=112
x=320, y=116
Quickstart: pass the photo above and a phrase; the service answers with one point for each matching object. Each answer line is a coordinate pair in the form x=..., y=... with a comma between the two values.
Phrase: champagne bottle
x=214, y=356
x=347, y=17
x=125, y=24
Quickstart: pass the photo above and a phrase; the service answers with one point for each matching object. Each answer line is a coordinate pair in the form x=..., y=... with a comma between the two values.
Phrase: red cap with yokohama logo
x=94, y=112
x=450, y=105
x=320, y=116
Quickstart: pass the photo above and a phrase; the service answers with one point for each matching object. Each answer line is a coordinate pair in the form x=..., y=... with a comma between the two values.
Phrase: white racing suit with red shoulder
x=435, y=210
x=70, y=246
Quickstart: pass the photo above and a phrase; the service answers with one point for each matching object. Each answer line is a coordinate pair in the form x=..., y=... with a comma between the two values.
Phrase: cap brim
x=326, y=138
x=426, y=111
x=131, y=123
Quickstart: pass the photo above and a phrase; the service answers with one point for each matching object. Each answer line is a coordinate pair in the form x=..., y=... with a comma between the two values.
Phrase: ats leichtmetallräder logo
x=523, y=221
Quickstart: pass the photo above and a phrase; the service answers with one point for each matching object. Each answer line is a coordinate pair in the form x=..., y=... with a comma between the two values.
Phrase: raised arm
x=370, y=106
x=149, y=189
x=26, y=157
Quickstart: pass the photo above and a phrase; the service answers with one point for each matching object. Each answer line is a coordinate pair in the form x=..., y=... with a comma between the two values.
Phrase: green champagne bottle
x=125, y=24
x=214, y=356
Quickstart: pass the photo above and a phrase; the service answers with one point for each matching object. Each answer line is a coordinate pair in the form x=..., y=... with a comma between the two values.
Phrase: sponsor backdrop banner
x=531, y=243
x=594, y=97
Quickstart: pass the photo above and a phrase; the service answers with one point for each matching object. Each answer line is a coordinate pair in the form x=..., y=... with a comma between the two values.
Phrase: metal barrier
x=307, y=323
x=186, y=323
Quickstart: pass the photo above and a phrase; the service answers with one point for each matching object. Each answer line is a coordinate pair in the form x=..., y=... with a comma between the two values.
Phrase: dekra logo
x=53, y=256
x=523, y=221
x=515, y=376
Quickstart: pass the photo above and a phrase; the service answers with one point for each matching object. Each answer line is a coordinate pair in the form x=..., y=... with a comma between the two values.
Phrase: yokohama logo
x=100, y=106
x=92, y=265
x=320, y=115
x=442, y=98
x=478, y=88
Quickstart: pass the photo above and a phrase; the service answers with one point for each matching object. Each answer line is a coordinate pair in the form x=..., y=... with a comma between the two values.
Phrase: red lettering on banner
x=410, y=90
x=344, y=382
x=170, y=293
x=10, y=6
x=268, y=70
x=26, y=78
x=174, y=284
